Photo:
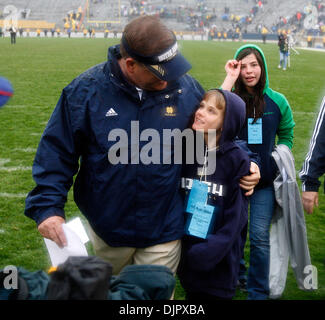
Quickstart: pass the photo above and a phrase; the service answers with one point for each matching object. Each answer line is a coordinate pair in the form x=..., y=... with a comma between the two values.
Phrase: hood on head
x=263, y=58
x=235, y=116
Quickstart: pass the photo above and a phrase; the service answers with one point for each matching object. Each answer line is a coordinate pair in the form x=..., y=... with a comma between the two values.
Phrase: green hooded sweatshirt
x=277, y=120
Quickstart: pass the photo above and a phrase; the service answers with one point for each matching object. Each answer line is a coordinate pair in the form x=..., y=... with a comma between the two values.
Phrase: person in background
x=13, y=33
x=309, y=41
x=264, y=33
x=283, y=50
x=314, y=164
x=268, y=116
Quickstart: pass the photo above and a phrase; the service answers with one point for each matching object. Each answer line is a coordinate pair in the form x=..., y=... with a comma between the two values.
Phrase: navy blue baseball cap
x=168, y=65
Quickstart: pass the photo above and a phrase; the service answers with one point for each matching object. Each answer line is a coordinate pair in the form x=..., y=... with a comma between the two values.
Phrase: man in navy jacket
x=134, y=208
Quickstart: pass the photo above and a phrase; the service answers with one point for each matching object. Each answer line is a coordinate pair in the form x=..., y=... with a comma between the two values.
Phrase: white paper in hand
x=75, y=247
x=77, y=227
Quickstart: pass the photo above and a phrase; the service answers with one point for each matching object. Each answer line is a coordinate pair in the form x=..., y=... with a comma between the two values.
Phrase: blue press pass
x=254, y=131
x=200, y=222
x=200, y=216
x=199, y=193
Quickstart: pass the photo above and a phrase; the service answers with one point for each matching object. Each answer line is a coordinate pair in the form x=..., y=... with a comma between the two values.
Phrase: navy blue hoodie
x=211, y=265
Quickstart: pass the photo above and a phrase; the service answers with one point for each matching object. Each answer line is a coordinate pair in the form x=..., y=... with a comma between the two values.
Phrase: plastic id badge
x=198, y=193
x=254, y=131
x=200, y=223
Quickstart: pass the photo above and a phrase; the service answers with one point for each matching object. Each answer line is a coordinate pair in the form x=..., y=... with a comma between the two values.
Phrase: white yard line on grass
x=18, y=168
x=26, y=150
x=12, y=195
x=10, y=169
x=304, y=113
x=311, y=49
x=4, y=161
x=21, y=106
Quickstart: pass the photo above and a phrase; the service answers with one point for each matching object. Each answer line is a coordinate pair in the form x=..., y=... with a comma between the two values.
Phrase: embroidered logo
x=170, y=111
x=159, y=69
x=111, y=113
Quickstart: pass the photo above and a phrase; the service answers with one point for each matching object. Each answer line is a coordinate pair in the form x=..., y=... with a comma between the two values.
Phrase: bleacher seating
x=176, y=13
x=274, y=9
x=52, y=11
x=32, y=24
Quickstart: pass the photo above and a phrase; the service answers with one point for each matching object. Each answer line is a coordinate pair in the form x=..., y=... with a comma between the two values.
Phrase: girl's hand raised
x=232, y=68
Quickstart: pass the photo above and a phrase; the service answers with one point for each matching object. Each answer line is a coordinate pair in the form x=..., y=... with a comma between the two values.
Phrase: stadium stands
x=32, y=24
x=43, y=14
x=49, y=10
x=192, y=16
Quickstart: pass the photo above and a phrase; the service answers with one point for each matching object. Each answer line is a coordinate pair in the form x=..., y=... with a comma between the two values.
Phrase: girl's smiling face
x=250, y=71
x=209, y=115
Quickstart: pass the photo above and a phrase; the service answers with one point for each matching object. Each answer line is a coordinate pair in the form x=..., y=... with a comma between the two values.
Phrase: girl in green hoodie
x=268, y=116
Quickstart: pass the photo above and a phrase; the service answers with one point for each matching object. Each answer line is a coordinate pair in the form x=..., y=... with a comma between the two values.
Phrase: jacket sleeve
x=314, y=164
x=252, y=155
x=285, y=129
x=204, y=256
x=54, y=166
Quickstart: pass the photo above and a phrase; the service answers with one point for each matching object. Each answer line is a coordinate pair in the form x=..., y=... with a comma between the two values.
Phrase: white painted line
x=4, y=161
x=311, y=49
x=21, y=106
x=12, y=195
x=19, y=168
x=26, y=149
x=304, y=113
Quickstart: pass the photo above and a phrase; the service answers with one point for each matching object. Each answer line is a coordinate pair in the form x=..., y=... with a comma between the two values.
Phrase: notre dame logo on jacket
x=170, y=111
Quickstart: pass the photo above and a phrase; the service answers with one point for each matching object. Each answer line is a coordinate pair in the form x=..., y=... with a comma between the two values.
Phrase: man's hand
x=51, y=228
x=249, y=182
x=309, y=200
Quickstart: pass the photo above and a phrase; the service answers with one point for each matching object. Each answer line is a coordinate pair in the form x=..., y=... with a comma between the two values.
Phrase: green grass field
x=40, y=68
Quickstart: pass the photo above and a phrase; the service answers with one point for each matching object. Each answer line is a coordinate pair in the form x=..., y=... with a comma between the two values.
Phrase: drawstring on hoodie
x=204, y=168
x=204, y=165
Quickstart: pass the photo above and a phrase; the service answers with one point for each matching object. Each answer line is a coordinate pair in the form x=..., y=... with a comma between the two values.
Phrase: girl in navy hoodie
x=216, y=207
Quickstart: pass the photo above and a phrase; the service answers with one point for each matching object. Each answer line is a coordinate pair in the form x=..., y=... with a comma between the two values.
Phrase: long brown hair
x=254, y=102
